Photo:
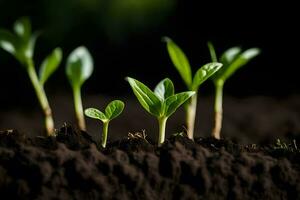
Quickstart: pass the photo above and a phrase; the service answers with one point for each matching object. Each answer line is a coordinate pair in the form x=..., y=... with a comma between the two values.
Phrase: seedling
x=78, y=69
x=232, y=60
x=182, y=65
x=21, y=45
x=161, y=103
x=112, y=110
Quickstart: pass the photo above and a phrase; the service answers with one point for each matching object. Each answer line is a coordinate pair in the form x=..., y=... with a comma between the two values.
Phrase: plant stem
x=42, y=98
x=218, y=109
x=79, y=108
x=162, y=129
x=191, y=115
x=104, y=133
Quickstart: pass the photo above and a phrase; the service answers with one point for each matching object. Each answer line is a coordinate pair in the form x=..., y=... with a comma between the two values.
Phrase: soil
x=255, y=119
x=73, y=166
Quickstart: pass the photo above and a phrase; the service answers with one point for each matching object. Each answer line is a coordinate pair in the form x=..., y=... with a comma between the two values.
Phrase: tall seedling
x=161, y=103
x=232, y=59
x=78, y=69
x=182, y=65
x=21, y=45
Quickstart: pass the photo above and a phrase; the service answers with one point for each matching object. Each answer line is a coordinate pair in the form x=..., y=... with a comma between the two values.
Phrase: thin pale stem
x=191, y=116
x=162, y=121
x=42, y=98
x=79, y=108
x=104, y=133
x=218, y=110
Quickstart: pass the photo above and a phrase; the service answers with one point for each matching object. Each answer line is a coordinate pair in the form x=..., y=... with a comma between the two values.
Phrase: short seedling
x=21, y=46
x=161, y=103
x=232, y=59
x=112, y=110
x=78, y=69
x=182, y=65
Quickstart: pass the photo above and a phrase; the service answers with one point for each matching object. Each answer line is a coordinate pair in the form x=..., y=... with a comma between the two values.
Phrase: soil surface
x=71, y=166
x=257, y=119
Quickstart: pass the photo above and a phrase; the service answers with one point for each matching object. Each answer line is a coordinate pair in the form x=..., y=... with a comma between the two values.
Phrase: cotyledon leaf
x=204, y=73
x=164, y=89
x=114, y=109
x=49, y=65
x=179, y=60
x=95, y=114
x=79, y=66
x=149, y=101
x=173, y=102
x=240, y=60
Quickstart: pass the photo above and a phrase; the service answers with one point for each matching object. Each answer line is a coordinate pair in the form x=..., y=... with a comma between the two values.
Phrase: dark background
x=124, y=37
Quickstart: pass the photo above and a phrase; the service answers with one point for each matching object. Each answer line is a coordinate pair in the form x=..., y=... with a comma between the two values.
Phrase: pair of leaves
x=21, y=43
x=79, y=66
x=182, y=65
x=162, y=102
x=112, y=110
x=232, y=59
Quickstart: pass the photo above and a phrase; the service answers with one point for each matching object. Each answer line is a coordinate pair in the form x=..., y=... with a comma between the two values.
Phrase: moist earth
x=74, y=166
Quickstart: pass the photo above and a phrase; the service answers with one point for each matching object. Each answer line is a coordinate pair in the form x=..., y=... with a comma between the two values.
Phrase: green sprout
x=112, y=110
x=21, y=45
x=161, y=103
x=182, y=65
x=79, y=68
x=232, y=59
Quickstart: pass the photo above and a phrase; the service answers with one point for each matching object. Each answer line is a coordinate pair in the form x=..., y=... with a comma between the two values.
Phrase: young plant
x=161, y=103
x=182, y=65
x=78, y=69
x=112, y=110
x=21, y=45
x=232, y=59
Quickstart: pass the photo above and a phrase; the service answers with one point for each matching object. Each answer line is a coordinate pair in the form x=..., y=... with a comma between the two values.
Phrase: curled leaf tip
x=250, y=53
x=166, y=39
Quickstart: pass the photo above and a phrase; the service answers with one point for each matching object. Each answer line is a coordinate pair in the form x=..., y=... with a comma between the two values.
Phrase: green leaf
x=114, y=109
x=240, y=60
x=230, y=55
x=49, y=65
x=212, y=52
x=30, y=46
x=22, y=28
x=204, y=73
x=179, y=60
x=95, y=114
x=149, y=101
x=79, y=66
x=164, y=89
x=21, y=45
x=173, y=102
x=9, y=42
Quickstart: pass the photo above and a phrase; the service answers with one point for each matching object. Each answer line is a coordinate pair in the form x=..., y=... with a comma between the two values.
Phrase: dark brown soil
x=257, y=119
x=71, y=166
